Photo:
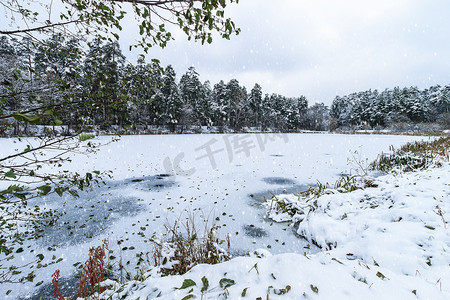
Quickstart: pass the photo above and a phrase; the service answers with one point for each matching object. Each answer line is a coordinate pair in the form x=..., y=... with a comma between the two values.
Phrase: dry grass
x=55, y=282
x=182, y=251
x=93, y=271
x=414, y=156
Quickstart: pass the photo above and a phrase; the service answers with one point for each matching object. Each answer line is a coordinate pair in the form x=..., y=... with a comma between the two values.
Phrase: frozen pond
x=223, y=178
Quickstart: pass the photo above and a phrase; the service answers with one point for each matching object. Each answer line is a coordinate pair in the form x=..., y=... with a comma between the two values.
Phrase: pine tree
x=191, y=93
x=255, y=103
x=102, y=68
x=174, y=103
x=237, y=98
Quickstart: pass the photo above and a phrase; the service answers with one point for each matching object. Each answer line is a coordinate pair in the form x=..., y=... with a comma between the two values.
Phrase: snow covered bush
x=414, y=156
x=299, y=205
x=294, y=209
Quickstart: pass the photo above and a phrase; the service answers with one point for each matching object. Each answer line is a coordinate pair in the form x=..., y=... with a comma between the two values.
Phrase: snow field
x=393, y=243
x=223, y=194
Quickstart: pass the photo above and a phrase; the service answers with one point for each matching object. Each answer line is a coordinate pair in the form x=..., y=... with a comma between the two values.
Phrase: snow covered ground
x=225, y=178
x=390, y=242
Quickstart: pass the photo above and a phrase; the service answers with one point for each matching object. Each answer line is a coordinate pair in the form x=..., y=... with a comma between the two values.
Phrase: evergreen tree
x=317, y=117
x=205, y=104
x=255, y=103
x=236, y=96
x=102, y=69
x=174, y=103
x=219, y=106
x=191, y=93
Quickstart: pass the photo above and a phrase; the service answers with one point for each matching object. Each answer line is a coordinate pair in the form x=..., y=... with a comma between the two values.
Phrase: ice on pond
x=96, y=209
x=279, y=180
x=254, y=231
x=145, y=196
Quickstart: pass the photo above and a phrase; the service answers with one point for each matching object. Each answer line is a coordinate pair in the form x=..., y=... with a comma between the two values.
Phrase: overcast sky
x=321, y=49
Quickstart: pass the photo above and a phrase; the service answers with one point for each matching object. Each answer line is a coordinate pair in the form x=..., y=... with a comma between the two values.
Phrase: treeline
x=98, y=87
x=81, y=87
x=402, y=109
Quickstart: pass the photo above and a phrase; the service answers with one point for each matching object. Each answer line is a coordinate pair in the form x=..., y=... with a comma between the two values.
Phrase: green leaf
x=190, y=296
x=30, y=276
x=44, y=190
x=244, y=292
x=315, y=289
x=10, y=174
x=58, y=122
x=27, y=149
x=4, y=250
x=187, y=283
x=430, y=227
x=205, y=284
x=84, y=137
x=60, y=190
x=74, y=193
x=29, y=118
x=226, y=282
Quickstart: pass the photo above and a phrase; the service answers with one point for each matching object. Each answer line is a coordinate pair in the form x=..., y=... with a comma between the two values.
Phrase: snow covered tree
x=171, y=94
x=219, y=106
x=255, y=103
x=9, y=75
x=317, y=117
x=191, y=93
x=205, y=104
x=298, y=109
x=102, y=70
x=237, y=97
x=397, y=108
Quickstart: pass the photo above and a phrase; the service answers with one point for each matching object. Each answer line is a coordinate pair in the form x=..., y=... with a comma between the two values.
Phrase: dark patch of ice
x=160, y=185
x=96, y=209
x=87, y=217
x=67, y=287
x=253, y=231
x=344, y=174
x=163, y=175
x=156, y=182
x=279, y=180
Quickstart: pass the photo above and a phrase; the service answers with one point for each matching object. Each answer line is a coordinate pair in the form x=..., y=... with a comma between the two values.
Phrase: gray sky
x=322, y=48
x=319, y=48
